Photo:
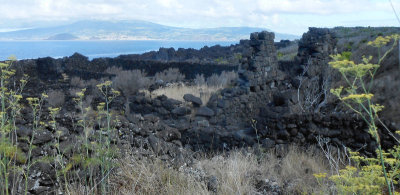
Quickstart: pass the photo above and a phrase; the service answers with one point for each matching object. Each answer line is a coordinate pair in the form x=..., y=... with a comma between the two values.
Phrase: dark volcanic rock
x=181, y=111
x=155, y=144
x=169, y=134
x=170, y=104
x=205, y=111
x=42, y=136
x=196, y=101
x=23, y=131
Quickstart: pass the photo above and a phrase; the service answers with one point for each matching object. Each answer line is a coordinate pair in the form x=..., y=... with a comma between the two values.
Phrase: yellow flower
x=17, y=96
x=3, y=65
x=377, y=108
x=320, y=175
x=54, y=110
x=391, y=161
x=380, y=41
x=115, y=92
x=81, y=93
x=358, y=96
x=12, y=58
x=337, y=91
x=44, y=95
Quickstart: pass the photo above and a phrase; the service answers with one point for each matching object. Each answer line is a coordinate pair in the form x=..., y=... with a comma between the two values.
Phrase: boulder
x=196, y=101
x=181, y=111
x=155, y=144
x=170, y=104
x=169, y=134
x=205, y=111
x=268, y=143
x=42, y=136
x=203, y=123
x=23, y=131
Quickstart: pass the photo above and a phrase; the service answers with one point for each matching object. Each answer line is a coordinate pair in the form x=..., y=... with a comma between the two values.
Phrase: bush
x=129, y=82
x=56, y=98
x=77, y=82
x=170, y=75
x=222, y=80
x=199, y=80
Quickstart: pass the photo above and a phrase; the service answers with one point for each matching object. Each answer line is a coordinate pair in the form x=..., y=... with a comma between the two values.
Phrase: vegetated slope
x=135, y=30
x=387, y=81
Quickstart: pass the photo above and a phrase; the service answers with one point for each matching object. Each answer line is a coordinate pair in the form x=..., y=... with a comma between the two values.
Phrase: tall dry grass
x=237, y=172
x=178, y=91
x=203, y=88
x=154, y=177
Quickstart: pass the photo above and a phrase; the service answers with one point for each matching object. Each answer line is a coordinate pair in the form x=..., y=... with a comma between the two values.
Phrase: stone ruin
x=259, y=65
x=268, y=105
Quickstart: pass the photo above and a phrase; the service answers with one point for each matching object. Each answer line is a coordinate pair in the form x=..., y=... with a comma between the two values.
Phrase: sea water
x=92, y=49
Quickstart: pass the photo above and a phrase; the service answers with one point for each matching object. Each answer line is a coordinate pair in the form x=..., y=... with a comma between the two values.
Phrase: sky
x=284, y=16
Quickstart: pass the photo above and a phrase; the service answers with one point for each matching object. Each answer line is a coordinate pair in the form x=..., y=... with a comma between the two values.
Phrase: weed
x=369, y=175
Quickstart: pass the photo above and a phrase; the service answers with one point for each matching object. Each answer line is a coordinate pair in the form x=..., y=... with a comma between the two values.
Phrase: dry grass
x=148, y=177
x=204, y=88
x=178, y=91
x=234, y=172
x=297, y=168
x=238, y=172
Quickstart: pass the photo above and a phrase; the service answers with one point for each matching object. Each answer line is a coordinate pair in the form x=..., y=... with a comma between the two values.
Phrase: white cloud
x=275, y=14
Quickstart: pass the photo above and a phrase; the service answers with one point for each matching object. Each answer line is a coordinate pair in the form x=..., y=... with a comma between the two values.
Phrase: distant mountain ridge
x=133, y=30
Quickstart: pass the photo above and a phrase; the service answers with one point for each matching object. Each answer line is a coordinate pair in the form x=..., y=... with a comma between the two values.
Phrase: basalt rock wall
x=47, y=69
x=275, y=107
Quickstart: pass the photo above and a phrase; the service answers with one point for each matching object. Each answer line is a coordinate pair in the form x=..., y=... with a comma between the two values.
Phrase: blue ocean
x=92, y=49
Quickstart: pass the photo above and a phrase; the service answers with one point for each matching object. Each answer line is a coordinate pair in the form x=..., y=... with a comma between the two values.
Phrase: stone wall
x=275, y=107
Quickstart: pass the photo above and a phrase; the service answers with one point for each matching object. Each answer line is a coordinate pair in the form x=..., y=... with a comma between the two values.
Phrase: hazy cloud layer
x=290, y=16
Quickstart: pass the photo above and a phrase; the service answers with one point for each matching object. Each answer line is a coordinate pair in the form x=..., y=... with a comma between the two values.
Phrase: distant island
x=134, y=30
x=63, y=36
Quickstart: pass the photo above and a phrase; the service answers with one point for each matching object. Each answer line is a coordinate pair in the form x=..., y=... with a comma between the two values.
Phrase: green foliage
x=221, y=60
x=280, y=55
x=349, y=46
x=346, y=55
x=238, y=56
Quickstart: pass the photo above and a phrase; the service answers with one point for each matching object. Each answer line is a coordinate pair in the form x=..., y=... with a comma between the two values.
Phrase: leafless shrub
x=170, y=75
x=77, y=82
x=337, y=157
x=315, y=93
x=72, y=92
x=56, y=98
x=93, y=82
x=200, y=80
x=223, y=80
x=129, y=82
